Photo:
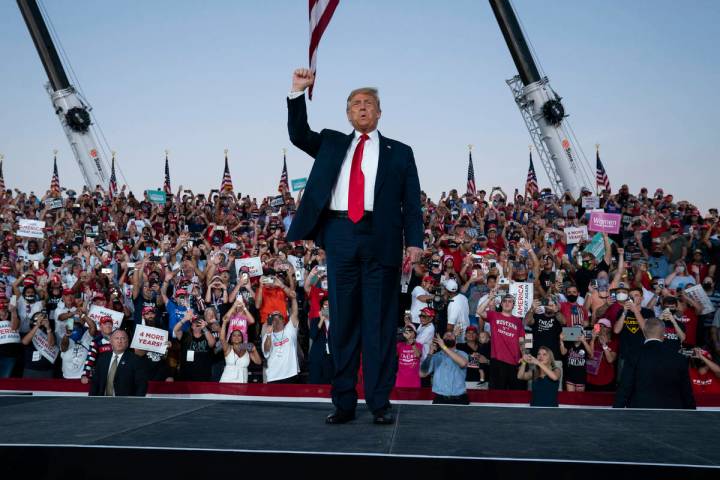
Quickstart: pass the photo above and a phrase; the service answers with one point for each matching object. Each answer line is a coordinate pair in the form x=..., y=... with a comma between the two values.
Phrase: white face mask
x=621, y=297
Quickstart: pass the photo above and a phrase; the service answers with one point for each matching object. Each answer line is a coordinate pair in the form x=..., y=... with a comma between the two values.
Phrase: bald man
x=657, y=376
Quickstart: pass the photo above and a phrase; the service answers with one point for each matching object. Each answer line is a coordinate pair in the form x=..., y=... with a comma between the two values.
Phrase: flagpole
x=597, y=155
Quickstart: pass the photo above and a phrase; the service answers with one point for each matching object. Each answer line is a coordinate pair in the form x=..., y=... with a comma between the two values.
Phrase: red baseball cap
x=428, y=278
x=428, y=312
x=147, y=309
x=106, y=319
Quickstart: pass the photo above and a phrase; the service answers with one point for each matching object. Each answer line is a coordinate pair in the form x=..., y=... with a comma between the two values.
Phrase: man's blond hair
x=372, y=91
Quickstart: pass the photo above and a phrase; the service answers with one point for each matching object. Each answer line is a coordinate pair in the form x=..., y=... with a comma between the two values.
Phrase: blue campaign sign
x=298, y=184
x=157, y=196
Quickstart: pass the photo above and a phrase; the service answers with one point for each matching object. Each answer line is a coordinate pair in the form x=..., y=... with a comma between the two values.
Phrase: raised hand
x=302, y=79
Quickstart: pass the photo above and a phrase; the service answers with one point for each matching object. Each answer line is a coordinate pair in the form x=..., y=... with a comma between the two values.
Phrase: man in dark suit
x=362, y=205
x=657, y=376
x=119, y=373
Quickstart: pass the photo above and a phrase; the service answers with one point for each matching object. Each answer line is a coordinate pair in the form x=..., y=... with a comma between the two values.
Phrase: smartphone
x=131, y=264
x=572, y=334
x=185, y=228
x=661, y=282
x=36, y=264
x=106, y=271
x=596, y=328
x=528, y=341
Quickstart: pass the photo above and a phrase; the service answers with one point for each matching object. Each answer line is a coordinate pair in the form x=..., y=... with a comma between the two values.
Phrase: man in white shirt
x=279, y=346
x=420, y=297
x=458, y=311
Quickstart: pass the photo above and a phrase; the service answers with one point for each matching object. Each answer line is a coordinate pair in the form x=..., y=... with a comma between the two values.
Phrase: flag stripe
x=531, y=185
x=319, y=12
x=601, y=178
x=471, y=176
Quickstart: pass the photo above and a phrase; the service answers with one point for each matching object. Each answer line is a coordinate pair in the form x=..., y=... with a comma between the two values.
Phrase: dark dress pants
x=363, y=314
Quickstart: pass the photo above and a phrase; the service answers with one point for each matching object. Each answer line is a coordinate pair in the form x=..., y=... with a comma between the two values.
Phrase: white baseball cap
x=451, y=285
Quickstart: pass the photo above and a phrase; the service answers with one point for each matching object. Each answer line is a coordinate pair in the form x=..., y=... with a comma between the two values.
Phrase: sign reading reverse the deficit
x=150, y=339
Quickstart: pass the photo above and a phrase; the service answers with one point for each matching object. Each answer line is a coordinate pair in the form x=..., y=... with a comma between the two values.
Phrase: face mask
x=29, y=299
x=656, y=254
x=450, y=343
x=621, y=297
x=707, y=286
x=571, y=298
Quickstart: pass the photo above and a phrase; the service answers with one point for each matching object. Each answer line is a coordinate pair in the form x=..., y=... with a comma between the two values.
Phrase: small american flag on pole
x=55, y=181
x=166, y=186
x=226, y=185
x=112, y=188
x=470, y=173
x=2, y=177
x=284, y=186
x=531, y=185
x=320, y=12
x=601, y=178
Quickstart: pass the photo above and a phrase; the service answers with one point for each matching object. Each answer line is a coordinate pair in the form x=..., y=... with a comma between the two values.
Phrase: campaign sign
x=30, y=228
x=253, y=264
x=298, y=184
x=97, y=312
x=278, y=201
x=591, y=202
x=42, y=345
x=698, y=294
x=604, y=222
x=53, y=203
x=596, y=247
x=8, y=335
x=523, y=293
x=150, y=339
x=576, y=234
x=157, y=196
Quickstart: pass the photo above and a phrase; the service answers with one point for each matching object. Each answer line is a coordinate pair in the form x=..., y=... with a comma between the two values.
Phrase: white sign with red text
x=41, y=343
x=96, y=313
x=253, y=264
x=30, y=228
x=576, y=234
x=7, y=334
x=150, y=339
x=523, y=293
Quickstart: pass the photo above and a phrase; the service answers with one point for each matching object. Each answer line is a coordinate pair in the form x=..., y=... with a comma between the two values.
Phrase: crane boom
x=542, y=110
x=71, y=110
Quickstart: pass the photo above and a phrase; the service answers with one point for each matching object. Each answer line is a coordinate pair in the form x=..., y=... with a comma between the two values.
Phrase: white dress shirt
x=371, y=155
x=371, y=152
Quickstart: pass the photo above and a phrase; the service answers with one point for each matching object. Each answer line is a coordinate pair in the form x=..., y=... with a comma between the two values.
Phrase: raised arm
x=300, y=133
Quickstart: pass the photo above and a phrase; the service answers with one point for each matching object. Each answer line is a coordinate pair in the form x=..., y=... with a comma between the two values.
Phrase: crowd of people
x=240, y=304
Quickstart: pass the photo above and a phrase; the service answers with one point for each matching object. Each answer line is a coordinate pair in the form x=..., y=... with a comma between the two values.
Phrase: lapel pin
x=388, y=146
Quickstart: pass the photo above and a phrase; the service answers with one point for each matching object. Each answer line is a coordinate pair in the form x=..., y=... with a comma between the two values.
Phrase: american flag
x=320, y=13
x=601, y=178
x=226, y=185
x=55, y=181
x=284, y=186
x=166, y=186
x=2, y=177
x=531, y=185
x=471, y=175
x=112, y=188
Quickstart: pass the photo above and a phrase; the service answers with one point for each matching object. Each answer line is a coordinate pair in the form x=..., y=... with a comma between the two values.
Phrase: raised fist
x=302, y=79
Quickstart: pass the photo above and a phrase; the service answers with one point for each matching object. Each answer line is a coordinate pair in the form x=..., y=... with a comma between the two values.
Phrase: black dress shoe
x=383, y=417
x=339, y=416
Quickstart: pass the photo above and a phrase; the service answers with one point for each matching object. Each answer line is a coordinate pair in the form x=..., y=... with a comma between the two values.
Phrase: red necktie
x=356, y=190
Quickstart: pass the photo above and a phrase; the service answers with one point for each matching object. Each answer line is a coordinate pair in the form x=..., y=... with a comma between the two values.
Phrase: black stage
x=80, y=437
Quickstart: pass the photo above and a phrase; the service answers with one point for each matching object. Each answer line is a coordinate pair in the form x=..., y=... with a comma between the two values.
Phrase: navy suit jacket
x=396, y=210
x=656, y=377
x=130, y=376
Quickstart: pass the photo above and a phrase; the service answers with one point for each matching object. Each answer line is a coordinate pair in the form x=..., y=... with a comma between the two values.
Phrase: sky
x=639, y=78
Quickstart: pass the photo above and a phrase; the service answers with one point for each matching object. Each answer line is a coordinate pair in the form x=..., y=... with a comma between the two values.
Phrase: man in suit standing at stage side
x=119, y=373
x=657, y=376
x=362, y=205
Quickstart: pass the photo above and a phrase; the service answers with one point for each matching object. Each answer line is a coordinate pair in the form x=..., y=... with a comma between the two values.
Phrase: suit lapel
x=383, y=161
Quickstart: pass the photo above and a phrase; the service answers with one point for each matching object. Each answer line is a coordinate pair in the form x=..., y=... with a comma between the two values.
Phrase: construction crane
x=72, y=111
x=542, y=110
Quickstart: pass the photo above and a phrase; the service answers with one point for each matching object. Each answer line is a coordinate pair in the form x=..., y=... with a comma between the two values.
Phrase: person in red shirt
x=704, y=373
x=495, y=241
x=698, y=268
x=601, y=364
x=506, y=332
x=574, y=313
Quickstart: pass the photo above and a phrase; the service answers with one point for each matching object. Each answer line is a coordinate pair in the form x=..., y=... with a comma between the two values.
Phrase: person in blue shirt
x=448, y=367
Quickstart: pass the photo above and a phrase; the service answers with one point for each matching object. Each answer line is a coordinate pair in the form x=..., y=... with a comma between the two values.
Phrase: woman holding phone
x=320, y=361
x=545, y=377
x=238, y=353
